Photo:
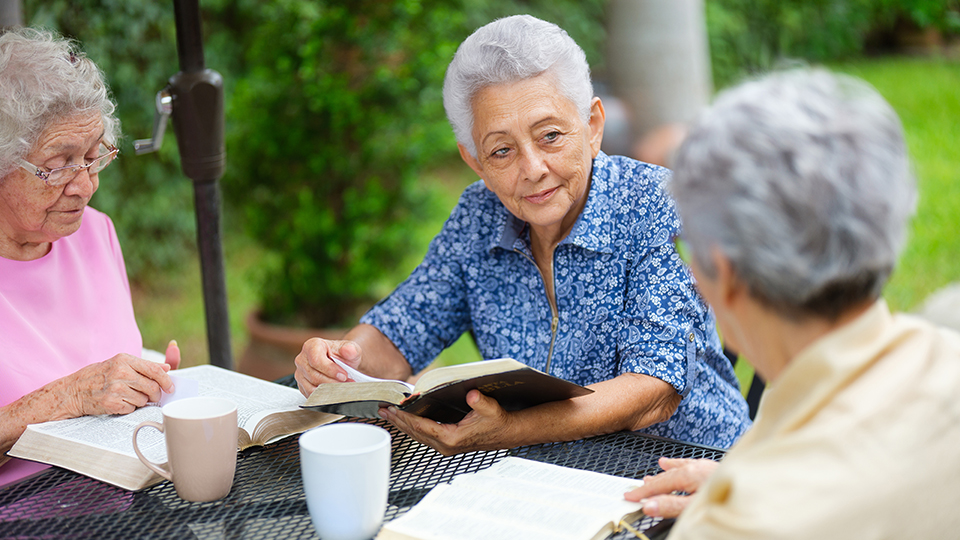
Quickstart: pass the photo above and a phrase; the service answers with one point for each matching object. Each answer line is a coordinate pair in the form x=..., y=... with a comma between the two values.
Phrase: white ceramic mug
x=346, y=476
x=201, y=439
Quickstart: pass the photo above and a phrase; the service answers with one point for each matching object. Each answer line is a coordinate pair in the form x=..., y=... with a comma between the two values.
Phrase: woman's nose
x=533, y=164
x=83, y=184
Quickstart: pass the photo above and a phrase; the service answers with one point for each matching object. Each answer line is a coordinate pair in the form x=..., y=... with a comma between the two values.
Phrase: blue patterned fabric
x=626, y=303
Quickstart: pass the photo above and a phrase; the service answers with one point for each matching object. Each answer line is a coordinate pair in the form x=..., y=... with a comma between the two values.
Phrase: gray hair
x=802, y=180
x=44, y=78
x=509, y=50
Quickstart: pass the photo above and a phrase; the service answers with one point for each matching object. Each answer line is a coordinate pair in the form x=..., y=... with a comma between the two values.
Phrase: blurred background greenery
x=341, y=166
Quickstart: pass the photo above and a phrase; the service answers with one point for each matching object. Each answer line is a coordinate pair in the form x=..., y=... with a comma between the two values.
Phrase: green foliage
x=747, y=36
x=332, y=124
x=332, y=136
x=334, y=112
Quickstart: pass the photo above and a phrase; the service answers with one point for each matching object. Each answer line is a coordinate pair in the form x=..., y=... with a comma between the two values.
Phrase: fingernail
x=650, y=507
x=341, y=376
x=173, y=342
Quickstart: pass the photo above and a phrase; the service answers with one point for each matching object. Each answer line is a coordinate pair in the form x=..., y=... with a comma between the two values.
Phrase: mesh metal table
x=267, y=500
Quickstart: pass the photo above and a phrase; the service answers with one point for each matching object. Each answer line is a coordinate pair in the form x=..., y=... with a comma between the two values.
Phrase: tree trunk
x=658, y=62
x=11, y=14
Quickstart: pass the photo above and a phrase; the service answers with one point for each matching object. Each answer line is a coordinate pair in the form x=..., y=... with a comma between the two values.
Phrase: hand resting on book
x=657, y=492
x=118, y=385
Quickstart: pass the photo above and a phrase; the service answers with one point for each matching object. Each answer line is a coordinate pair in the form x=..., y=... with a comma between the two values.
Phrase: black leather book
x=441, y=394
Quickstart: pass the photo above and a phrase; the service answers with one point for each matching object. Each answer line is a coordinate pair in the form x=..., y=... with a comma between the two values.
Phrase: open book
x=519, y=498
x=101, y=447
x=441, y=394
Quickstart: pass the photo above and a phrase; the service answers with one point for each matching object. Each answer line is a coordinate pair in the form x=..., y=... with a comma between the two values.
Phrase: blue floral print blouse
x=626, y=303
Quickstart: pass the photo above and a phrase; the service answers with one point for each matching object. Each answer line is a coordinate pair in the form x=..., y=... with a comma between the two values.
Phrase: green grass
x=924, y=91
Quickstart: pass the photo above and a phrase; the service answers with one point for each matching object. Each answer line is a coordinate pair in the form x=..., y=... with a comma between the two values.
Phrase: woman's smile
x=541, y=197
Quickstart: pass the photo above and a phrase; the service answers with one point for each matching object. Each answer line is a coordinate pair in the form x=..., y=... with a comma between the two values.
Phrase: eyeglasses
x=63, y=175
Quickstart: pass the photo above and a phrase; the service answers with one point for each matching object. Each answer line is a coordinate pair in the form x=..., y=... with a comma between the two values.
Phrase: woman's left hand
x=486, y=427
x=173, y=354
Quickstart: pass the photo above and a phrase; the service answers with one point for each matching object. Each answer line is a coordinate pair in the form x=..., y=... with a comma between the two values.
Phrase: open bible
x=441, y=394
x=520, y=498
x=101, y=447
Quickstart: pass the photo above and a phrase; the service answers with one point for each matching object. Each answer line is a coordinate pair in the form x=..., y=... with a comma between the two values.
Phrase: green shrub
x=334, y=111
x=331, y=126
x=747, y=36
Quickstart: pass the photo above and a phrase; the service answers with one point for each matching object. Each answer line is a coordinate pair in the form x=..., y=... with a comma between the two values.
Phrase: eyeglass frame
x=112, y=153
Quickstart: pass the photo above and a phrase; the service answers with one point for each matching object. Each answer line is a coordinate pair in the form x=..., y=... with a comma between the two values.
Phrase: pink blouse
x=61, y=312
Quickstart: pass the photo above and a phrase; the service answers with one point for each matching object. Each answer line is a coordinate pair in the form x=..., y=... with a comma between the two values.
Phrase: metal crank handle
x=164, y=109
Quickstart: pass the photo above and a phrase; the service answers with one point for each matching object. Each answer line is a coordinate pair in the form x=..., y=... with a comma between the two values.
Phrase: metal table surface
x=267, y=500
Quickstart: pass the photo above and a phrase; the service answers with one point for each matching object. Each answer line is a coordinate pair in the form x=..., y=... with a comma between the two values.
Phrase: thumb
x=483, y=405
x=173, y=354
x=349, y=352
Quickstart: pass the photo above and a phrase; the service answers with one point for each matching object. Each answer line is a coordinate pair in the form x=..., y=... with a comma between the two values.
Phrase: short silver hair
x=44, y=78
x=802, y=180
x=509, y=50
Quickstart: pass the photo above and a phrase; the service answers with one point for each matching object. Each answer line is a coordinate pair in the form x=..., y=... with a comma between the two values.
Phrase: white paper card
x=182, y=388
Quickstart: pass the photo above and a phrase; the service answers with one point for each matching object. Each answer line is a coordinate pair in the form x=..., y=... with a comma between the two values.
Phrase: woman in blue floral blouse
x=561, y=257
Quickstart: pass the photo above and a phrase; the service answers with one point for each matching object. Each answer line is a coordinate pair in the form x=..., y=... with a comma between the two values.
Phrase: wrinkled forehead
x=76, y=132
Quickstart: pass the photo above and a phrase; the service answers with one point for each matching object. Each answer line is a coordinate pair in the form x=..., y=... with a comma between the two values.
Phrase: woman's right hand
x=315, y=365
x=658, y=492
x=119, y=385
x=115, y=386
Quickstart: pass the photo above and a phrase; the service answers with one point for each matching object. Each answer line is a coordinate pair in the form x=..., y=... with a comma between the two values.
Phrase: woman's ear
x=729, y=288
x=470, y=160
x=597, y=119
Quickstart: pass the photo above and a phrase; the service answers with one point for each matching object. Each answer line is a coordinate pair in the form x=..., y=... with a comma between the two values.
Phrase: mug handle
x=150, y=465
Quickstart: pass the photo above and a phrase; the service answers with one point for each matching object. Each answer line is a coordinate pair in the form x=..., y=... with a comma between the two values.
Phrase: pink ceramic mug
x=201, y=440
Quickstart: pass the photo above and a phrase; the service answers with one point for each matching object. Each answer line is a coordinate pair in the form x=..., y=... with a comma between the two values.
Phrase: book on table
x=101, y=447
x=441, y=393
x=520, y=498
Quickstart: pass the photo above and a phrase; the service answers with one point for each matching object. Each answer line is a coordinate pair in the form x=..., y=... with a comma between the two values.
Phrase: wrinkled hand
x=483, y=428
x=116, y=386
x=315, y=365
x=656, y=493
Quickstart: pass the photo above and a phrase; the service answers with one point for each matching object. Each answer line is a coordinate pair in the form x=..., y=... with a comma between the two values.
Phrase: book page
x=442, y=375
x=113, y=433
x=518, y=498
x=102, y=446
x=255, y=398
x=276, y=426
x=362, y=377
x=97, y=446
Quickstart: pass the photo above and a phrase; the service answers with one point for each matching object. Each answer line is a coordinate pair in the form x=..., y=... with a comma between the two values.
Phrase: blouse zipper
x=555, y=320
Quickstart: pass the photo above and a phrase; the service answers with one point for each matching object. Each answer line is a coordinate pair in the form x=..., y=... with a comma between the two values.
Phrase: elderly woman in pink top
x=69, y=343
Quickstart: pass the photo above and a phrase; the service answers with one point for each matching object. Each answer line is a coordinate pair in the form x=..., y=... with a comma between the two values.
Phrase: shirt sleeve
x=429, y=311
x=660, y=331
